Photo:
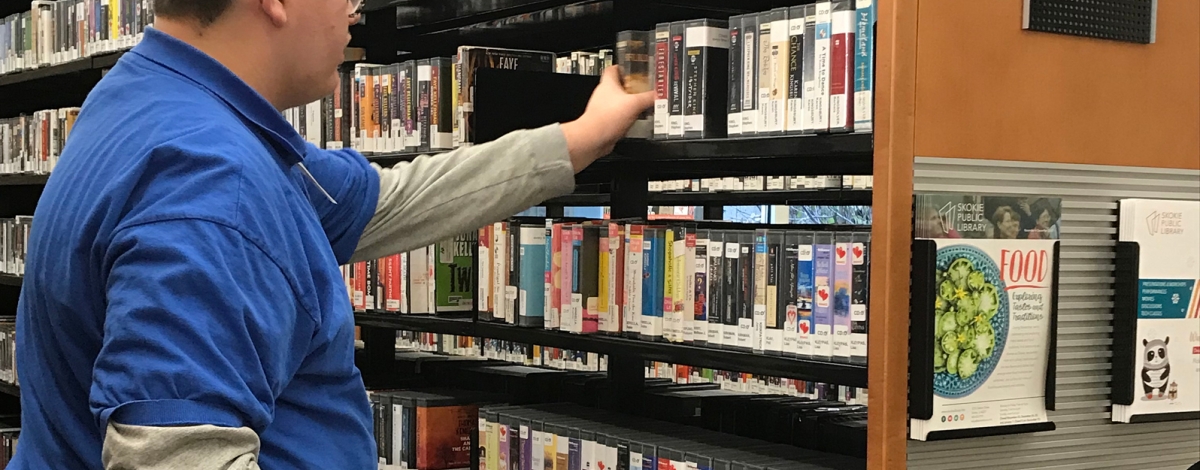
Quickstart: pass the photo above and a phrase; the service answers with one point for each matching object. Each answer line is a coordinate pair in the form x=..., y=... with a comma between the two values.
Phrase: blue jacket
x=182, y=270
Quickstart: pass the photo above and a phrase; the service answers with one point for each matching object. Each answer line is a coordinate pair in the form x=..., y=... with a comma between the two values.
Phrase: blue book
x=864, y=65
x=804, y=296
x=652, y=286
x=533, y=275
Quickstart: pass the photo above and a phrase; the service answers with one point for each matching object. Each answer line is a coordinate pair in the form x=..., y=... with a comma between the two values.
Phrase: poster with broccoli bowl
x=991, y=331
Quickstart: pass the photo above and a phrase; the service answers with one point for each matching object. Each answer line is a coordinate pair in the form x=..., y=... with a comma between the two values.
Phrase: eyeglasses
x=356, y=7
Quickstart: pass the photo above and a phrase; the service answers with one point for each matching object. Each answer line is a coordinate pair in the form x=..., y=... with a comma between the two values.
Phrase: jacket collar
x=201, y=69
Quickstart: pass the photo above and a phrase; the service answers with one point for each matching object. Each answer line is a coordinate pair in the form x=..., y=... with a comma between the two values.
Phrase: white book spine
x=823, y=59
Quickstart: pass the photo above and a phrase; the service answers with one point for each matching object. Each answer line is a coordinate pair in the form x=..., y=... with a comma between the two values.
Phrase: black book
x=732, y=290
x=776, y=309
x=734, y=111
x=424, y=103
x=441, y=118
x=705, y=93
x=749, y=92
x=716, y=294
x=675, y=125
x=745, y=319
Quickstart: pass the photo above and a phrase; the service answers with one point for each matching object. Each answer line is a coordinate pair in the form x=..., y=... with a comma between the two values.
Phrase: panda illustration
x=1156, y=371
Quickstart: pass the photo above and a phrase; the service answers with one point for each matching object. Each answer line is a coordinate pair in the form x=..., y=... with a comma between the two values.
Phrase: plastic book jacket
x=993, y=310
x=1167, y=352
x=455, y=277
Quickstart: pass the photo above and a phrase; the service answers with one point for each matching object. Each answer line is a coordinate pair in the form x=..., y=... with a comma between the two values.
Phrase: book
x=766, y=72
x=662, y=80
x=750, y=75
x=440, y=108
x=864, y=65
x=860, y=290
x=822, y=337
x=734, y=110
x=746, y=291
x=776, y=316
x=808, y=119
x=678, y=70
x=794, y=123
x=823, y=60
x=843, y=276
x=705, y=90
x=473, y=58
x=780, y=53
x=532, y=291
x=761, y=264
x=841, y=68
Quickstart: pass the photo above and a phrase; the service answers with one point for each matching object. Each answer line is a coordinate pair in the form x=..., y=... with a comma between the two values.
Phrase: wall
x=985, y=88
x=1085, y=439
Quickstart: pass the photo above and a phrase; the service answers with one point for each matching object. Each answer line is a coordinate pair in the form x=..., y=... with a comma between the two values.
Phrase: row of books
x=584, y=63
x=9, y=435
x=31, y=144
x=54, y=32
x=574, y=437
x=778, y=292
x=8, y=351
x=433, y=279
x=764, y=183
x=575, y=360
x=792, y=70
x=14, y=236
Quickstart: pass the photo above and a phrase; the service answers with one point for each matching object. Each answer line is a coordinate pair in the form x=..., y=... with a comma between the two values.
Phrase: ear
x=1167, y=340
x=1145, y=343
x=275, y=11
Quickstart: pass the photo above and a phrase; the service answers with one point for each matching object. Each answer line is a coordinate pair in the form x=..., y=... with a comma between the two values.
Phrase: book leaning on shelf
x=31, y=144
x=60, y=31
x=778, y=292
x=8, y=351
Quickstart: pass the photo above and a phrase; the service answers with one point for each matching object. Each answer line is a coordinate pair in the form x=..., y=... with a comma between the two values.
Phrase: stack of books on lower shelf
x=14, y=236
x=31, y=144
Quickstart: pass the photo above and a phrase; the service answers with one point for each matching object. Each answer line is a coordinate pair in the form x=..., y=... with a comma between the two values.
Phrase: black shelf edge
x=805, y=369
x=793, y=146
x=80, y=65
x=10, y=389
x=444, y=324
x=10, y=280
x=23, y=179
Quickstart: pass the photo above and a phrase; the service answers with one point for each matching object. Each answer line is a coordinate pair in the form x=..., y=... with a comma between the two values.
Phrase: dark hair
x=205, y=12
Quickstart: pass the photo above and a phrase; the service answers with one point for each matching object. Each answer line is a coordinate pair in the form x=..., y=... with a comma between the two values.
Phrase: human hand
x=610, y=112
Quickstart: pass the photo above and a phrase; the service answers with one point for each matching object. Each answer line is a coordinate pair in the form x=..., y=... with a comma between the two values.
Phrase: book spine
x=780, y=51
x=671, y=327
x=773, y=341
x=732, y=290
x=699, y=286
x=512, y=309
x=765, y=73
x=808, y=118
x=746, y=291
x=677, y=69
x=841, y=82
x=804, y=298
x=485, y=263
x=440, y=127
x=619, y=249
x=662, y=80
x=760, y=291
x=859, y=297
x=714, y=296
x=685, y=297
x=789, y=273
x=604, y=271
x=842, y=276
x=823, y=299
x=734, y=111
x=633, y=279
x=424, y=104
x=824, y=61
x=549, y=313
x=795, y=80
x=651, y=314
x=749, y=92
x=533, y=260
x=864, y=66
x=589, y=278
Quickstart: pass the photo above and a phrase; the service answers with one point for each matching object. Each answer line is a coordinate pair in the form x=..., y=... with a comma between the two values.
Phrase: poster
x=996, y=217
x=1167, y=349
x=994, y=282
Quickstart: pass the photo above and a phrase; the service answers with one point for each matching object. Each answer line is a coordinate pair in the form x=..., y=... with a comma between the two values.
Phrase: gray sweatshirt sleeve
x=178, y=448
x=437, y=197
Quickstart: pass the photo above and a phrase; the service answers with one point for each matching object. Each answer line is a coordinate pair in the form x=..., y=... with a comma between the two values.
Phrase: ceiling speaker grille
x=1117, y=20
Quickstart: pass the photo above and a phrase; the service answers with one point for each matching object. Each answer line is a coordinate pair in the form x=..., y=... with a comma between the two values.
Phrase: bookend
x=922, y=293
x=1125, y=347
x=920, y=355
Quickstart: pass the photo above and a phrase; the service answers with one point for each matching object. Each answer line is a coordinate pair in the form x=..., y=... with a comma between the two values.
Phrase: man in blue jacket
x=183, y=305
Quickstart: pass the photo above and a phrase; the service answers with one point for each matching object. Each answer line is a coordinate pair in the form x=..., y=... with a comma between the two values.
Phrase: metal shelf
x=10, y=280
x=806, y=369
x=23, y=180
x=80, y=65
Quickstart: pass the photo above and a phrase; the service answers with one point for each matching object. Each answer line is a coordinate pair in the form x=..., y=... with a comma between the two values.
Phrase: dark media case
x=705, y=90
